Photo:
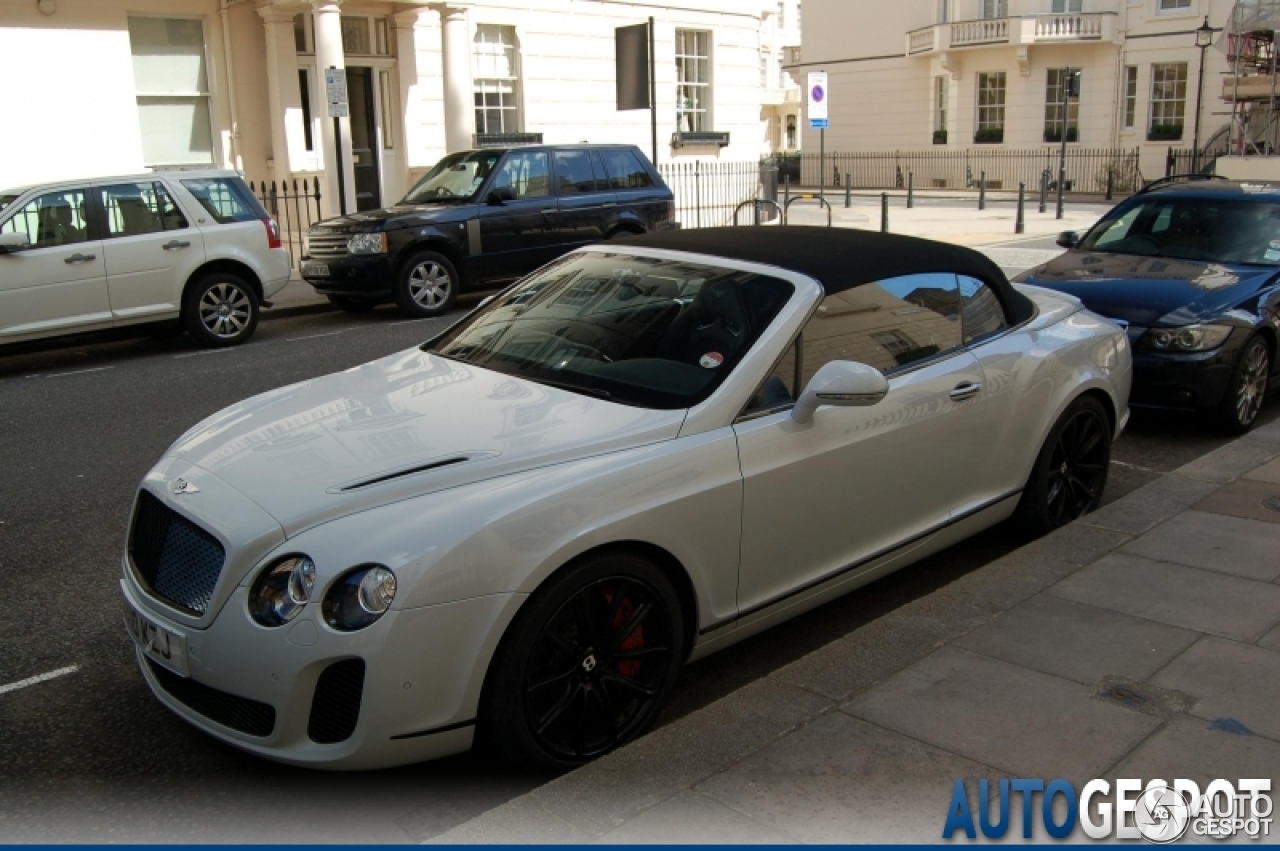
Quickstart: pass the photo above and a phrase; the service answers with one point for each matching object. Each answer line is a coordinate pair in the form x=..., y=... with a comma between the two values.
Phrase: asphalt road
x=91, y=756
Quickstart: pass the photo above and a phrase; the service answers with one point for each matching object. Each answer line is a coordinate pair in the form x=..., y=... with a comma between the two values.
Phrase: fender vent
x=335, y=709
x=424, y=467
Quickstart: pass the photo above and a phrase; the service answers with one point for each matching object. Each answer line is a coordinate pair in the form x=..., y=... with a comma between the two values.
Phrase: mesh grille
x=238, y=713
x=179, y=561
x=336, y=706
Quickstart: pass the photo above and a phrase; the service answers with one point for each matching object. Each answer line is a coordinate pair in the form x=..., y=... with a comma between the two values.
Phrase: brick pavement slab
x=694, y=817
x=1231, y=681
x=1233, y=460
x=1218, y=542
x=1149, y=505
x=1202, y=751
x=1269, y=472
x=1244, y=498
x=1180, y=596
x=1271, y=640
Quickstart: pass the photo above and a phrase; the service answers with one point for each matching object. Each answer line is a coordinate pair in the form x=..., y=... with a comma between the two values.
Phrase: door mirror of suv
x=842, y=383
x=1068, y=239
x=11, y=242
x=501, y=195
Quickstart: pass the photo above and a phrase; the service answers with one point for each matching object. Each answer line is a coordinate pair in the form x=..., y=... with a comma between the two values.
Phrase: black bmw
x=1193, y=270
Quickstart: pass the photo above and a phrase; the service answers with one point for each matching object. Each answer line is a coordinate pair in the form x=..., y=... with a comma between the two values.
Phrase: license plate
x=318, y=270
x=161, y=645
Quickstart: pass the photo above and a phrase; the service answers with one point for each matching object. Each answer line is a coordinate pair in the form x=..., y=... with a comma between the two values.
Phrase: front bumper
x=354, y=275
x=1184, y=380
x=422, y=673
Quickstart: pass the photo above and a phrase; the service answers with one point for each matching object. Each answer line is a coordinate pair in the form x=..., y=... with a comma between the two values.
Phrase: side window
x=134, y=209
x=527, y=173
x=983, y=313
x=625, y=171
x=226, y=199
x=574, y=173
x=55, y=218
x=889, y=325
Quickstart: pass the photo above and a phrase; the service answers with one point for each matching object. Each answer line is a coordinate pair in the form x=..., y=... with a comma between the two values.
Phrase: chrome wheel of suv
x=220, y=310
x=427, y=286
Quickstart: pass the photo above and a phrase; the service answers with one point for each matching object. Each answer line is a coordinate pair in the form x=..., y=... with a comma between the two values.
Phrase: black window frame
x=556, y=153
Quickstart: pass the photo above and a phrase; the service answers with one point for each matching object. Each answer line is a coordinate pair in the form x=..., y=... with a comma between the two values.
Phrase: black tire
x=1247, y=389
x=622, y=233
x=586, y=665
x=351, y=305
x=220, y=309
x=427, y=285
x=1070, y=472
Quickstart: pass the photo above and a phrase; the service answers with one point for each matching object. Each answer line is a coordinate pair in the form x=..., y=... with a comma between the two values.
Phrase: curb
x=290, y=310
x=590, y=802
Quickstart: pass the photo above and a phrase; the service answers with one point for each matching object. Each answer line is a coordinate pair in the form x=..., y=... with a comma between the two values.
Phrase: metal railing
x=295, y=205
x=707, y=193
x=1088, y=170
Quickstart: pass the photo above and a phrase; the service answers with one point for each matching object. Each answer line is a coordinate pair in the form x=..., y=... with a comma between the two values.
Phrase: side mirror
x=501, y=195
x=1068, y=239
x=11, y=242
x=843, y=383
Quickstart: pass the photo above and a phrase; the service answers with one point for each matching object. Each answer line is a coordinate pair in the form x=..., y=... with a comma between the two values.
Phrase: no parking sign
x=818, y=100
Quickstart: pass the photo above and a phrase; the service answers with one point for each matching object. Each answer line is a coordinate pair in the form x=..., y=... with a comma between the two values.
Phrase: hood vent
x=424, y=467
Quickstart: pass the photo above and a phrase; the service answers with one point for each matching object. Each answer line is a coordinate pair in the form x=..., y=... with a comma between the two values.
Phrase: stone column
x=459, y=90
x=284, y=98
x=404, y=28
x=329, y=54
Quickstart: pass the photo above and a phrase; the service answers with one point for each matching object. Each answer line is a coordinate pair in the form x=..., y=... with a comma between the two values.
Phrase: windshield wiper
x=572, y=388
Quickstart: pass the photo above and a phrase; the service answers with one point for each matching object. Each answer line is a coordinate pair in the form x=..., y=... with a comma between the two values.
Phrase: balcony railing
x=1033, y=29
x=989, y=31
x=1068, y=27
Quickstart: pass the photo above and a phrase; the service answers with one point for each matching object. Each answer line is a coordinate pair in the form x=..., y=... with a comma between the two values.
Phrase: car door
x=585, y=203
x=519, y=234
x=150, y=248
x=639, y=198
x=859, y=481
x=59, y=282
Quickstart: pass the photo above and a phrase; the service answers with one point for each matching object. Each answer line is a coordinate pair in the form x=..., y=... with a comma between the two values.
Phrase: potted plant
x=939, y=137
x=1164, y=133
x=989, y=136
x=1055, y=134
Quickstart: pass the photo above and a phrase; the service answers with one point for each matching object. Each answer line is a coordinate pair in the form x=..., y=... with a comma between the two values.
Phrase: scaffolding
x=1250, y=88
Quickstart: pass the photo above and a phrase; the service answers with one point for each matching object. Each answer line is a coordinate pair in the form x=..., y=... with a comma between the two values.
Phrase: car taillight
x=273, y=233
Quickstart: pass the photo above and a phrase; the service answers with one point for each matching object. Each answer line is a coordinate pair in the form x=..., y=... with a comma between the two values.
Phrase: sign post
x=634, y=74
x=335, y=89
x=817, y=96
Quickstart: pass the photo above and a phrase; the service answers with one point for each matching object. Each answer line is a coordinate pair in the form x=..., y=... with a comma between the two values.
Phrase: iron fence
x=1089, y=170
x=1191, y=161
x=295, y=205
x=707, y=193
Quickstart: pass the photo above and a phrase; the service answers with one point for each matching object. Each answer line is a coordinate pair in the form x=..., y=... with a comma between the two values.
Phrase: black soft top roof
x=840, y=258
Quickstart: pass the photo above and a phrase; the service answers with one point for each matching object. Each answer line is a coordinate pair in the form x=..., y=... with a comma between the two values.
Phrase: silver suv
x=85, y=255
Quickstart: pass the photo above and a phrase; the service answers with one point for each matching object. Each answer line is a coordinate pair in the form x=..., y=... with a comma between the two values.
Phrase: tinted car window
x=1210, y=230
x=981, y=308
x=526, y=173
x=134, y=209
x=640, y=331
x=625, y=170
x=55, y=218
x=574, y=173
x=226, y=199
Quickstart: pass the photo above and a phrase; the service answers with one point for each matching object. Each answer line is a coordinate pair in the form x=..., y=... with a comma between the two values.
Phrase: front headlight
x=368, y=243
x=359, y=598
x=1189, y=338
x=282, y=590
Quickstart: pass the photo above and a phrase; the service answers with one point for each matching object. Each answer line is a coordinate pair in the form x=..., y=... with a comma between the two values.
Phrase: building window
x=791, y=132
x=693, y=81
x=1173, y=5
x=304, y=89
x=991, y=91
x=782, y=14
x=1168, y=101
x=995, y=8
x=799, y=10
x=940, y=110
x=944, y=11
x=497, y=79
x=171, y=85
x=764, y=70
x=303, y=41
x=1130, y=95
x=1062, y=7
x=386, y=98
x=364, y=36
x=1053, y=110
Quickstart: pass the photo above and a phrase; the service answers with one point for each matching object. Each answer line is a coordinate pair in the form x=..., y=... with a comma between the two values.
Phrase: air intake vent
x=413, y=470
x=239, y=713
x=177, y=560
x=336, y=707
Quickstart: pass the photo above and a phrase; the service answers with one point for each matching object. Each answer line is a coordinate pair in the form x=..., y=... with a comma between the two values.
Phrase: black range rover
x=480, y=219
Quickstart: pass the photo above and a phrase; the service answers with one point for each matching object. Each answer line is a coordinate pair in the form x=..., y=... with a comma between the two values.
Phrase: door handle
x=548, y=212
x=79, y=258
x=610, y=204
x=175, y=244
x=965, y=391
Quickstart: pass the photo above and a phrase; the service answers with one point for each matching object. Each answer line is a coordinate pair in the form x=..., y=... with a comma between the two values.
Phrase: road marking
x=40, y=678
x=1134, y=467
x=79, y=371
x=205, y=352
x=314, y=336
x=411, y=321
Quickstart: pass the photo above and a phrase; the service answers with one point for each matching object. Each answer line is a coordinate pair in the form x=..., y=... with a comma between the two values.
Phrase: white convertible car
x=644, y=452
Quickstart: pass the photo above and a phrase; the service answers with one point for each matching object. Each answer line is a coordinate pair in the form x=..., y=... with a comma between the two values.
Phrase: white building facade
x=120, y=86
x=947, y=74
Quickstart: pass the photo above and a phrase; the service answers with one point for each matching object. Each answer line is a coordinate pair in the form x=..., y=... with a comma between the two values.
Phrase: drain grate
x=1126, y=696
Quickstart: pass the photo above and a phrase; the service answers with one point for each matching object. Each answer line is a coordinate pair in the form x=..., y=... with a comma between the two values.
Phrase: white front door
x=151, y=250
x=59, y=283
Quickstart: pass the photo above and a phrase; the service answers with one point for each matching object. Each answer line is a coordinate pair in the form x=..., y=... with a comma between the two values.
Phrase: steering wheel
x=445, y=192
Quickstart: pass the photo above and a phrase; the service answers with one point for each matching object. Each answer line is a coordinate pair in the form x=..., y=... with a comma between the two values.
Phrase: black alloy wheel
x=1070, y=473
x=586, y=665
x=1245, y=394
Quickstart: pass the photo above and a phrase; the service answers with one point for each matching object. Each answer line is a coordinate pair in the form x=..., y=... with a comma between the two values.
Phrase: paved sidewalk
x=297, y=298
x=1142, y=641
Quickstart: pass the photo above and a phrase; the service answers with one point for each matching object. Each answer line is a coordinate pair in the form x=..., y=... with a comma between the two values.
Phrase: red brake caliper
x=634, y=641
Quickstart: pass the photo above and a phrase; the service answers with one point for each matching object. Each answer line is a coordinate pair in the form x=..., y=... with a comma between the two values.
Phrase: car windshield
x=457, y=177
x=1211, y=230
x=643, y=331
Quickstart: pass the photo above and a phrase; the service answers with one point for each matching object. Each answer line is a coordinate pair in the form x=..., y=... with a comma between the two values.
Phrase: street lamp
x=1204, y=38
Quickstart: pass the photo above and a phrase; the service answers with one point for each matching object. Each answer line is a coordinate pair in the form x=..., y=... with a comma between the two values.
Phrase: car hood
x=405, y=425
x=1149, y=291
x=387, y=218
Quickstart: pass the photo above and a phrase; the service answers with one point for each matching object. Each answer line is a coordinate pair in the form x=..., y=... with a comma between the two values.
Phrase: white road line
x=314, y=336
x=411, y=321
x=79, y=371
x=1134, y=467
x=40, y=678
x=204, y=352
